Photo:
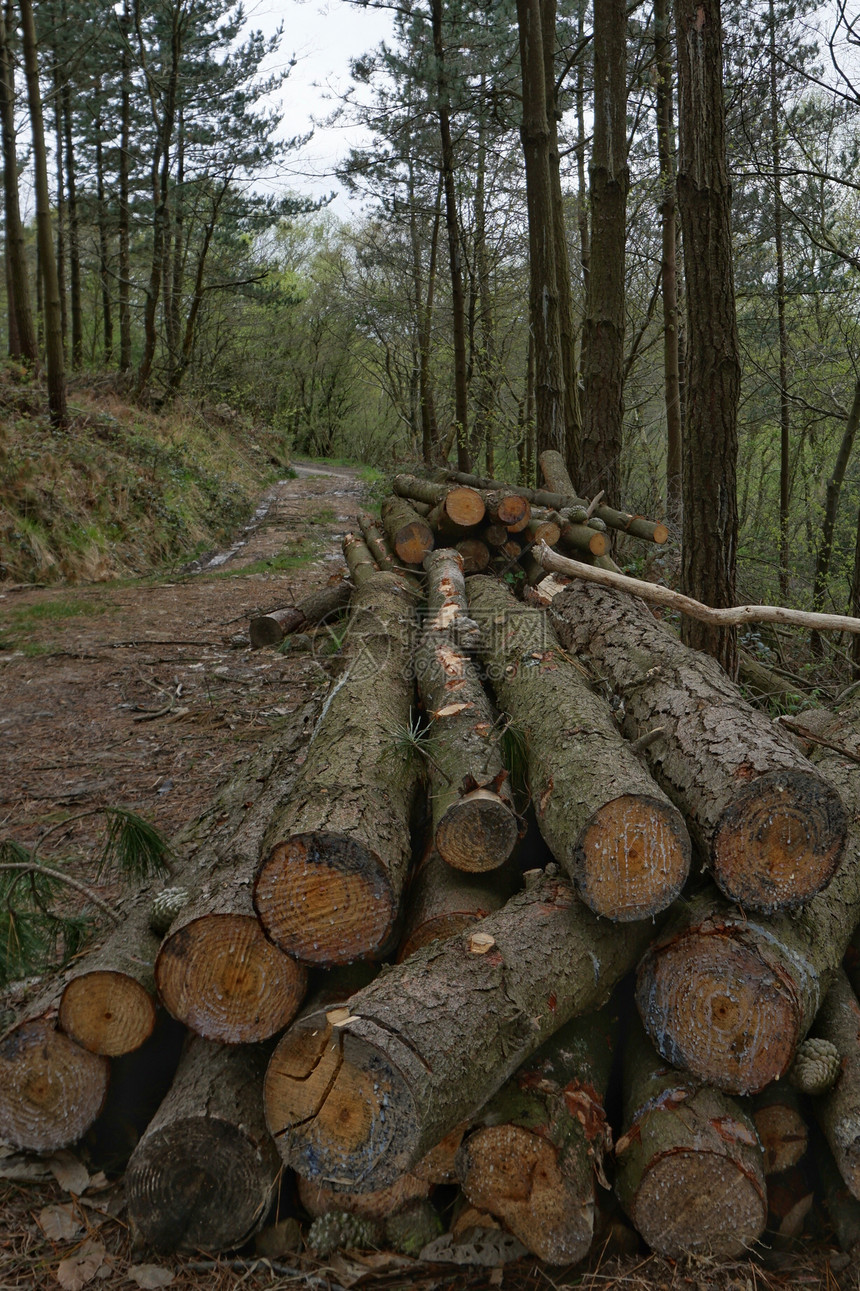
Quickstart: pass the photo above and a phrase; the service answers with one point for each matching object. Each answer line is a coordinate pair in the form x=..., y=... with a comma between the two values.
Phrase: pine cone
x=815, y=1067
x=165, y=907
x=337, y=1230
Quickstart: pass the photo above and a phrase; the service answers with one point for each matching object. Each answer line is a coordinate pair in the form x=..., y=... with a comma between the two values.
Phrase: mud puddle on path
x=137, y=695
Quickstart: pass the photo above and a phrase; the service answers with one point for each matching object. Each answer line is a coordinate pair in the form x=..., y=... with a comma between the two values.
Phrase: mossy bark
x=618, y=836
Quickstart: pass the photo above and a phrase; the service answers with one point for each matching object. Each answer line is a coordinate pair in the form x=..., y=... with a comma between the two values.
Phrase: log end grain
x=699, y=1203
x=198, y=1184
x=325, y=898
x=51, y=1090
x=633, y=858
x=477, y=833
x=221, y=976
x=464, y=506
x=107, y=1012
x=475, y=555
x=714, y=1004
x=516, y=1175
x=413, y=541
x=780, y=842
x=784, y=1135
x=338, y=1113
x=270, y=629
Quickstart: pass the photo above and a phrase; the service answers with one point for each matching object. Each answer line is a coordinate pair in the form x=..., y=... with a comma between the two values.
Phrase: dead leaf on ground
x=22, y=1169
x=69, y=1172
x=59, y=1223
x=356, y=1267
x=150, y=1276
x=79, y=1269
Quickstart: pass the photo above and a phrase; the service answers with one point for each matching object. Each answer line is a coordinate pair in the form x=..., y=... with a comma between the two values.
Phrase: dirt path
x=137, y=694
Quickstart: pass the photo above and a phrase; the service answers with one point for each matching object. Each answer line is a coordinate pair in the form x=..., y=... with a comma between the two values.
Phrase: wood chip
x=481, y=942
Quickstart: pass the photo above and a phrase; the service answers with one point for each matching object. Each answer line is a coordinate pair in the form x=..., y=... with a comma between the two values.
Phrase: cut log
x=771, y=826
x=319, y=1200
x=335, y=859
x=555, y=473
x=462, y=508
x=51, y=1090
x=216, y=970
x=618, y=836
x=689, y=1163
x=443, y=901
x=508, y=508
x=362, y=1094
x=495, y=535
x=838, y=1111
x=359, y=559
x=636, y=526
x=377, y=544
x=530, y=1159
x=270, y=629
x=781, y=1127
x=409, y=534
x=473, y=820
x=475, y=555
x=204, y=1175
x=546, y=529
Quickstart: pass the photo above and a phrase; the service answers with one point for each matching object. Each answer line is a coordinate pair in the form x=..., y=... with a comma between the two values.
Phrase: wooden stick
x=658, y=595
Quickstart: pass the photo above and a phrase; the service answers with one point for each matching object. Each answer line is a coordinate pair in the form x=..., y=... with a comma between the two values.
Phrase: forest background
x=512, y=275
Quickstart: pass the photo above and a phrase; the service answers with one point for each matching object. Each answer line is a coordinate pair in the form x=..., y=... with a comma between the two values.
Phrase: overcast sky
x=323, y=35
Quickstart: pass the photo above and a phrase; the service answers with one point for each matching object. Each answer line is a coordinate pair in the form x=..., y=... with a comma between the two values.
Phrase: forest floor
x=144, y=694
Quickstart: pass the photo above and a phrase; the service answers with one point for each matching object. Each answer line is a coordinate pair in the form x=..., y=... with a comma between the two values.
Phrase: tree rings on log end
x=220, y=976
x=780, y=841
x=633, y=858
x=477, y=833
x=715, y=1004
x=51, y=1090
x=338, y=1112
x=107, y=1012
x=515, y=1175
x=464, y=506
x=198, y=1184
x=325, y=898
x=699, y=1203
x=413, y=541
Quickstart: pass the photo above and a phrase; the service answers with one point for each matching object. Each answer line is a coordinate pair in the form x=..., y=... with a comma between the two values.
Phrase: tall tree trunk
x=543, y=295
x=831, y=508
x=487, y=375
x=22, y=335
x=74, y=224
x=104, y=279
x=452, y=222
x=784, y=412
x=668, y=269
x=62, y=213
x=424, y=298
x=855, y=602
x=124, y=228
x=53, y=318
x=581, y=186
x=710, y=527
x=603, y=329
x=567, y=329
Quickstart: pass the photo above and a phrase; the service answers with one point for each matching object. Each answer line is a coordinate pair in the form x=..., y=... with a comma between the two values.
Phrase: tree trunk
x=429, y=428
x=410, y=535
x=51, y=1090
x=362, y=1096
x=530, y=1159
x=784, y=408
x=473, y=821
x=622, y=842
x=769, y=825
x=831, y=509
x=710, y=526
x=124, y=221
x=74, y=229
x=25, y=345
x=335, y=860
x=104, y=275
x=53, y=318
x=320, y=607
x=838, y=1111
x=603, y=325
x=689, y=1162
x=855, y=600
x=668, y=264
x=205, y=1173
x=443, y=901
x=62, y=209
x=452, y=223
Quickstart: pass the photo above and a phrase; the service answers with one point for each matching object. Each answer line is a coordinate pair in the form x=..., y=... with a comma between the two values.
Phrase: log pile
x=543, y=907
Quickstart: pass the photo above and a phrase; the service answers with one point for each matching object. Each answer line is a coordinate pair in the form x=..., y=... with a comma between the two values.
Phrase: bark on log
x=530, y=1159
x=689, y=1163
x=216, y=971
x=838, y=1111
x=623, y=843
x=555, y=473
x=270, y=629
x=51, y=1090
x=409, y=534
x=335, y=859
x=473, y=820
x=378, y=1205
x=362, y=1097
x=462, y=507
x=443, y=901
x=637, y=526
x=205, y=1172
x=546, y=528
x=581, y=538
x=781, y=1128
x=772, y=828
x=841, y=1206
x=382, y=554
x=358, y=558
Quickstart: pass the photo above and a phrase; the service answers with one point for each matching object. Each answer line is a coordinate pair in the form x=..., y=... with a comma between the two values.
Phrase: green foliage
x=514, y=746
x=133, y=846
x=32, y=935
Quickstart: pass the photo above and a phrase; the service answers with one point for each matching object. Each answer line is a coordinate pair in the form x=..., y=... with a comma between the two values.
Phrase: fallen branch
x=69, y=882
x=659, y=595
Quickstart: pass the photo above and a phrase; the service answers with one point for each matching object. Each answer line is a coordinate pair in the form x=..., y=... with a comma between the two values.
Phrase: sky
x=322, y=35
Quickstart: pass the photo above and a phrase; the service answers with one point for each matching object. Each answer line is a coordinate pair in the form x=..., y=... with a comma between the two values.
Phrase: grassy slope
x=125, y=491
